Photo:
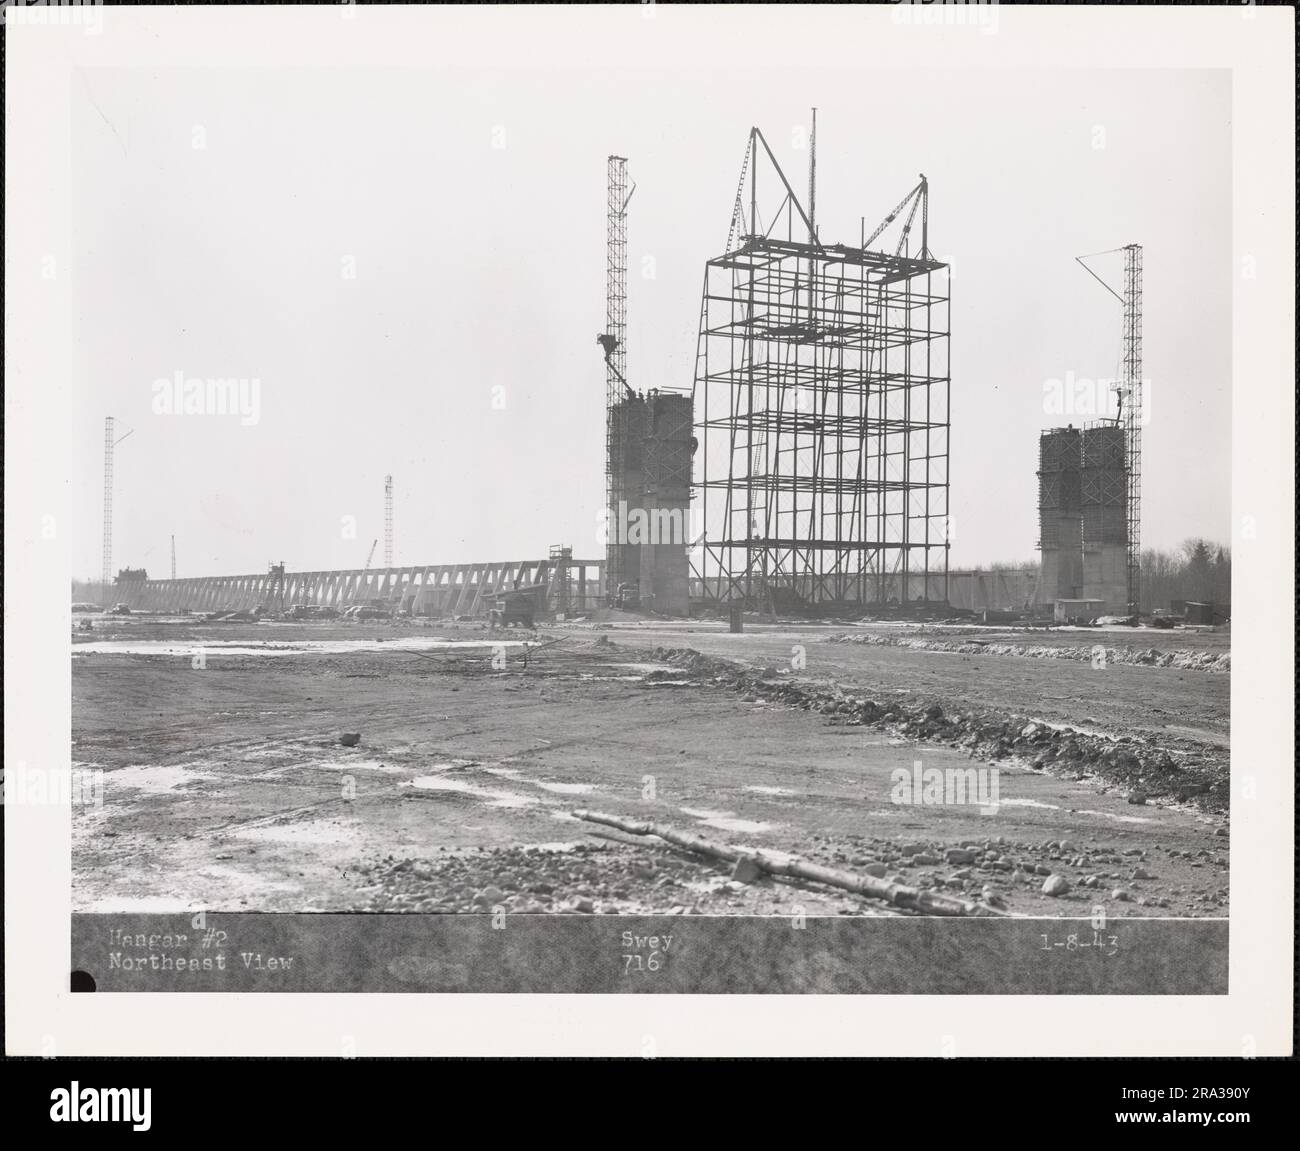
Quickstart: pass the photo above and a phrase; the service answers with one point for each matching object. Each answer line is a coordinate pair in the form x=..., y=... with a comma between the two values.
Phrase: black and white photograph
x=604, y=503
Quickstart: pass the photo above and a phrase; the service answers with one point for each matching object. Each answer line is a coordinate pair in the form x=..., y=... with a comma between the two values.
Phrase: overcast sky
x=392, y=253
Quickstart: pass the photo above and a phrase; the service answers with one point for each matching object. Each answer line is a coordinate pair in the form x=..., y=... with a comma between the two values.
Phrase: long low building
x=445, y=589
x=997, y=589
x=460, y=589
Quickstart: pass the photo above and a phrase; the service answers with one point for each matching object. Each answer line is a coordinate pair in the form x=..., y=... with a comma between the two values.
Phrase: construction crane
x=388, y=522
x=111, y=440
x=374, y=544
x=613, y=340
x=1128, y=394
x=173, y=557
x=918, y=197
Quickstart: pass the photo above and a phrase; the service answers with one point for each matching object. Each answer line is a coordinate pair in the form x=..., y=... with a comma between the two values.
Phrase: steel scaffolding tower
x=388, y=521
x=823, y=388
x=109, y=444
x=111, y=440
x=1131, y=399
x=614, y=342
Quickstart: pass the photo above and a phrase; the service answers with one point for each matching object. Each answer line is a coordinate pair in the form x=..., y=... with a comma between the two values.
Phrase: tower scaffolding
x=388, y=521
x=822, y=389
x=1132, y=400
x=614, y=341
x=1131, y=413
x=107, y=556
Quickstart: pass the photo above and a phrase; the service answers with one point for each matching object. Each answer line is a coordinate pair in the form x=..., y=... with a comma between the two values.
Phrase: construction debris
x=911, y=898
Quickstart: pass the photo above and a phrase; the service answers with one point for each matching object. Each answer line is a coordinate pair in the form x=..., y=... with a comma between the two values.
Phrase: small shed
x=1079, y=610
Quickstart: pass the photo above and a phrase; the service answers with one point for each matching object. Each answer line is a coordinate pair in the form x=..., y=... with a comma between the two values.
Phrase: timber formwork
x=822, y=393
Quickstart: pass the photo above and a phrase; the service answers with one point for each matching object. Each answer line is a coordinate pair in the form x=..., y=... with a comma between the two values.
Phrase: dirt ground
x=225, y=784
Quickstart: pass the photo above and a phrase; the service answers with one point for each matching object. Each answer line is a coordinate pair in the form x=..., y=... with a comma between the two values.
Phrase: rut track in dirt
x=1145, y=769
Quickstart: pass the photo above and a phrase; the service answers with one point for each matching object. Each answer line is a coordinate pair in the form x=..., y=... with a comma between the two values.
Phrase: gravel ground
x=226, y=785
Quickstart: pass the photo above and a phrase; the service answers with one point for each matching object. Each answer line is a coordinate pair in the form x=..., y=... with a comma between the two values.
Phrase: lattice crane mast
x=1129, y=399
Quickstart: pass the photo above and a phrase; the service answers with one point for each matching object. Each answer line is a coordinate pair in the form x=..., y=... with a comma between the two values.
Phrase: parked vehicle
x=312, y=611
x=518, y=605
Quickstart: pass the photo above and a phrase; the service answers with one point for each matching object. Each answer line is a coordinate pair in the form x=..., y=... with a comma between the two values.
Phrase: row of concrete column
x=448, y=589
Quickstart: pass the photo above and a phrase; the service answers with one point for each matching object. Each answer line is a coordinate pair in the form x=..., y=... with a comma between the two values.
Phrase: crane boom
x=893, y=215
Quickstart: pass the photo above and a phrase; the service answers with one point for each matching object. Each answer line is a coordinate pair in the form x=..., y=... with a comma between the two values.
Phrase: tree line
x=1198, y=570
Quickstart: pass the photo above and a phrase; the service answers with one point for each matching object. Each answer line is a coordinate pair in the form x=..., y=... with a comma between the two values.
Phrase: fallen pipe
x=897, y=894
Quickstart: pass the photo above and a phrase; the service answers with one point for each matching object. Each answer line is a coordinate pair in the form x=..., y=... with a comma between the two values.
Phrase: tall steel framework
x=614, y=342
x=111, y=440
x=107, y=565
x=388, y=521
x=1132, y=401
x=1129, y=392
x=822, y=390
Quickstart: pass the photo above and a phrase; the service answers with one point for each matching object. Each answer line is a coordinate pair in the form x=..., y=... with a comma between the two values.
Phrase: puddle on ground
x=1057, y=807
x=156, y=780
x=562, y=788
x=516, y=776
x=298, y=647
x=246, y=882
x=463, y=787
x=1118, y=818
x=357, y=765
x=309, y=833
x=725, y=820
